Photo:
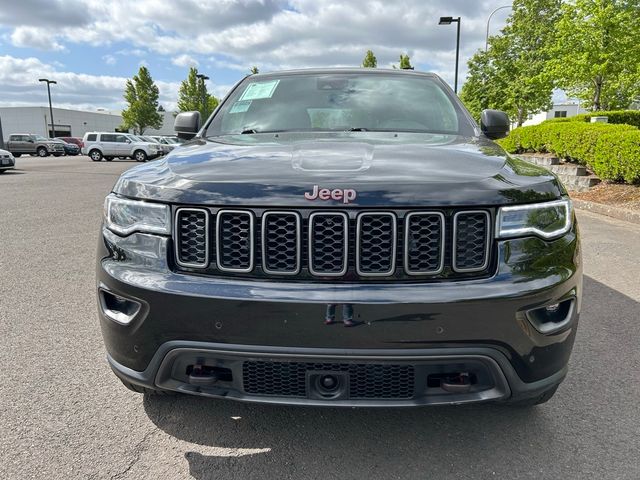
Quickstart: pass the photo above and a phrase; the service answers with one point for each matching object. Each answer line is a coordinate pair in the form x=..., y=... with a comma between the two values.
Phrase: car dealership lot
x=65, y=415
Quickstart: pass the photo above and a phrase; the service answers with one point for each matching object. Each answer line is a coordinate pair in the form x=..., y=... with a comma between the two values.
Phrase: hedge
x=629, y=117
x=617, y=157
x=583, y=143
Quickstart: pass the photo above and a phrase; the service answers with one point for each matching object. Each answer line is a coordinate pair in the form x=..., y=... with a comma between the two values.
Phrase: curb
x=608, y=210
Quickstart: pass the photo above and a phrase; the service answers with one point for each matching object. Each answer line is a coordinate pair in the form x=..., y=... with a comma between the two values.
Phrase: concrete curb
x=608, y=210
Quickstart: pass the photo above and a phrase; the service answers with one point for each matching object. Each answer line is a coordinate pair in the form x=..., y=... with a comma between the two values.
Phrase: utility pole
x=202, y=78
x=449, y=21
x=53, y=125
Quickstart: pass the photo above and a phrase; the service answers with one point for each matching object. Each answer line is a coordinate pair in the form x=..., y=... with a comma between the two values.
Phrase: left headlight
x=124, y=216
x=548, y=220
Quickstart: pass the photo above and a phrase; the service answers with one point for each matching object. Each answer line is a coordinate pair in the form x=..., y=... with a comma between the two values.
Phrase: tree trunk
x=597, y=82
x=520, y=116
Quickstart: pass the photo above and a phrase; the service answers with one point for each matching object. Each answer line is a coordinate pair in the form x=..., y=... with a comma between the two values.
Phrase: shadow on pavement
x=560, y=439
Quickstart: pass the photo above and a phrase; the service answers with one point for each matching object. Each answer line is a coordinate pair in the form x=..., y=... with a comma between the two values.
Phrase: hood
x=385, y=169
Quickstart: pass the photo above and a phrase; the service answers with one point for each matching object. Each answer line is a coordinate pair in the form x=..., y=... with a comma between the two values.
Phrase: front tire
x=140, y=156
x=95, y=155
x=42, y=152
x=17, y=155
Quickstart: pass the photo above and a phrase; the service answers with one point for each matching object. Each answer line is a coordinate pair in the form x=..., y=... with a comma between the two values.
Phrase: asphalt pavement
x=64, y=415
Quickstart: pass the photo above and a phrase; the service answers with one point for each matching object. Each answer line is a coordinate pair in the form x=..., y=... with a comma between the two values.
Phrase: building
x=68, y=123
x=559, y=110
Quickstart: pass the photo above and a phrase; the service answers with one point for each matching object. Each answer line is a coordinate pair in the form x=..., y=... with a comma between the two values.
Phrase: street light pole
x=486, y=40
x=203, y=77
x=449, y=21
x=49, y=82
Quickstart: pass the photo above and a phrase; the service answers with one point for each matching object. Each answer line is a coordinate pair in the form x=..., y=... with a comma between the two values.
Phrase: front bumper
x=184, y=320
x=7, y=163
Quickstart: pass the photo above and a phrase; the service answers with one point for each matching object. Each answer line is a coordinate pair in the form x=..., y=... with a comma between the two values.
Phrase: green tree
x=597, y=52
x=254, y=70
x=193, y=95
x=370, y=60
x=405, y=62
x=141, y=95
x=512, y=75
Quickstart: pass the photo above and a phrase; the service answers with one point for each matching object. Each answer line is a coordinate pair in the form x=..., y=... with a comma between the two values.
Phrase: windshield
x=135, y=138
x=338, y=102
x=40, y=137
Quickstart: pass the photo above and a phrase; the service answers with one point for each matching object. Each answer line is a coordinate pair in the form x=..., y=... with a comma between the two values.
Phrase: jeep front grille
x=234, y=241
x=344, y=245
x=471, y=241
x=192, y=232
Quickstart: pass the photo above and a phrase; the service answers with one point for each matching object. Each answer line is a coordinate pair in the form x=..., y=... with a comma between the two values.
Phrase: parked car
x=69, y=148
x=169, y=142
x=75, y=140
x=7, y=162
x=27, y=143
x=99, y=145
x=163, y=147
x=366, y=198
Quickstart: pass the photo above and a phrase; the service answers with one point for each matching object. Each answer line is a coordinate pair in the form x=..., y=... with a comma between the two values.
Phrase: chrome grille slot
x=328, y=243
x=424, y=243
x=376, y=244
x=235, y=241
x=192, y=237
x=281, y=237
x=471, y=231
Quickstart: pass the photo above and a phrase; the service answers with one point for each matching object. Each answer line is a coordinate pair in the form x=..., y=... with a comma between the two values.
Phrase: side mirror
x=187, y=124
x=494, y=124
x=128, y=140
x=30, y=140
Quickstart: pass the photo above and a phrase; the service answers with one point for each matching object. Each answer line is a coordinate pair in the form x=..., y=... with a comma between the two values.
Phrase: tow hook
x=200, y=375
x=460, y=383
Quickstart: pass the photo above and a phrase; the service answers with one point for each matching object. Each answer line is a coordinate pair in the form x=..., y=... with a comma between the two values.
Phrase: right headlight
x=548, y=220
x=124, y=216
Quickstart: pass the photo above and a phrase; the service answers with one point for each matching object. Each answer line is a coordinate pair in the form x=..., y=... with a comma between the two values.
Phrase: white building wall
x=571, y=109
x=77, y=122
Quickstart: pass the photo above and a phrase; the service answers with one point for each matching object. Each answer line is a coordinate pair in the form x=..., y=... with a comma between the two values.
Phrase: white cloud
x=19, y=86
x=109, y=59
x=34, y=37
x=185, y=61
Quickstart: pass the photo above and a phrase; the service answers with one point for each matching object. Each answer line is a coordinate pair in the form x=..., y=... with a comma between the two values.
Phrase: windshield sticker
x=259, y=90
x=240, y=107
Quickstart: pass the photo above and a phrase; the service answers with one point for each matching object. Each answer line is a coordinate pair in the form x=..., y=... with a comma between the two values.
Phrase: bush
x=575, y=141
x=617, y=156
x=628, y=117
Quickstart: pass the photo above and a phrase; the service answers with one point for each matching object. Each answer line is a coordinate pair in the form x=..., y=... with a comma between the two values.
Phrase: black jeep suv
x=340, y=237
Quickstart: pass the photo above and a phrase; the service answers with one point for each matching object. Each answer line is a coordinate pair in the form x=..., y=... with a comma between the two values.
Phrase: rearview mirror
x=494, y=124
x=187, y=124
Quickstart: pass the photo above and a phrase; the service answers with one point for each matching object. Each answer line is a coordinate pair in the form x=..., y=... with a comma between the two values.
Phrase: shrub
x=617, y=156
x=575, y=141
x=628, y=117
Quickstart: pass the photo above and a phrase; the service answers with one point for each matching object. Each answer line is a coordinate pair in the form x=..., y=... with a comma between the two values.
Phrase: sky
x=90, y=47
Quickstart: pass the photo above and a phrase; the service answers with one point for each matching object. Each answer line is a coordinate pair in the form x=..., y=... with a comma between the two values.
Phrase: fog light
x=117, y=308
x=552, y=308
x=552, y=318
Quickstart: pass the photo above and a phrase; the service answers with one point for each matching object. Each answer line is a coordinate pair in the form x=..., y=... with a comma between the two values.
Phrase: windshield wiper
x=357, y=129
x=248, y=131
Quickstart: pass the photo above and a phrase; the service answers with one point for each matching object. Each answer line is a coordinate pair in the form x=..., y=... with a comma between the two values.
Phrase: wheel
x=95, y=155
x=147, y=391
x=540, y=399
x=139, y=156
x=17, y=155
x=42, y=152
x=108, y=159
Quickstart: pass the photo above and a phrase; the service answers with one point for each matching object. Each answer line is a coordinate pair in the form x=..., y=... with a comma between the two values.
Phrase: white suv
x=107, y=145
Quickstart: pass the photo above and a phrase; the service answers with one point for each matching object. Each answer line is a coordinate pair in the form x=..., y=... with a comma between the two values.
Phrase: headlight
x=547, y=220
x=125, y=216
